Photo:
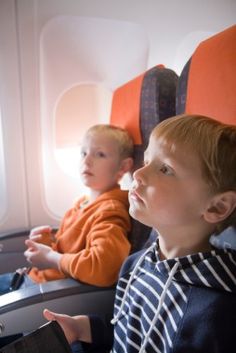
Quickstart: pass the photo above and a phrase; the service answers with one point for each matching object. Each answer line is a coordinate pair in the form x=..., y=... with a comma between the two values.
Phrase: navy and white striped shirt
x=176, y=305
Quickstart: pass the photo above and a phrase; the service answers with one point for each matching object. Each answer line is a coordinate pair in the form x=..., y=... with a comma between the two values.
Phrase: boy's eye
x=165, y=169
x=83, y=153
x=100, y=154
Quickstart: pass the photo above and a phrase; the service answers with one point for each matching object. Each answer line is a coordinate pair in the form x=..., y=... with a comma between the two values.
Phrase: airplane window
x=3, y=200
x=76, y=110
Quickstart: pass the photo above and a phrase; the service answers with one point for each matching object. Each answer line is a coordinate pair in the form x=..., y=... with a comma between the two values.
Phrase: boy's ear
x=221, y=207
x=126, y=165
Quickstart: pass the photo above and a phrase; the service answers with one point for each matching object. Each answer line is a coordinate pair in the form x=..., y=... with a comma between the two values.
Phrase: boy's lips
x=87, y=173
x=135, y=196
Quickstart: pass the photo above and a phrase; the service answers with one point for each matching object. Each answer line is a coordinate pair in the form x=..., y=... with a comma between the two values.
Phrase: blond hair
x=120, y=136
x=214, y=143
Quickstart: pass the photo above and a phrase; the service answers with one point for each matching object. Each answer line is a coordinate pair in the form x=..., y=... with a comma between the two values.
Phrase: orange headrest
x=125, y=110
x=212, y=78
x=126, y=107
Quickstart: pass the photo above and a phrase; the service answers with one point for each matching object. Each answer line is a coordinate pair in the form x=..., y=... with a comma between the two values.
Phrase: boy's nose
x=87, y=160
x=139, y=176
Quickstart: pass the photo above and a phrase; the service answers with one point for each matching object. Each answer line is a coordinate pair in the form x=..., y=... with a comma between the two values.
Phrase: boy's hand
x=41, y=256
x=42, y=234
x=75, y=328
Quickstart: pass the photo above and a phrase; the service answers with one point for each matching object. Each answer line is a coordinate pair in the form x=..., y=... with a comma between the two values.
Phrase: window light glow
x=68, y=159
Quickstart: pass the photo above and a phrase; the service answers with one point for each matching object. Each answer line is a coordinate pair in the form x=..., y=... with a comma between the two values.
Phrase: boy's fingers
x=49, y=315
x=30, y=243
x=39, y=230
x=35, y=237
x=31, y=246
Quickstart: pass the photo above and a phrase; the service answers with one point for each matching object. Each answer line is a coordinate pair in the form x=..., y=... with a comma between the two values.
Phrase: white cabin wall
x=173, y=28
x=167, y=23
x=15, y=213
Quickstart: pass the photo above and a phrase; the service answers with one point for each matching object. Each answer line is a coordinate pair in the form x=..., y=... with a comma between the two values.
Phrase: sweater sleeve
x=102, y=334
x=105, y=250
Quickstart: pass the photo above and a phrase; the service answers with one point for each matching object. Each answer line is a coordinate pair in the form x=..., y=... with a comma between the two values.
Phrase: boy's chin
x=138, y=216
x=132, y=212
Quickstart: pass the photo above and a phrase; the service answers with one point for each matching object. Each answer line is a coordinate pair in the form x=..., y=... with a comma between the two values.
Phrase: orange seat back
x=207, y=84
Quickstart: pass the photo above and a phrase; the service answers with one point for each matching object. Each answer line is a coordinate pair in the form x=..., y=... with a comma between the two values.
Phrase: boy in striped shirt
x=179, y=295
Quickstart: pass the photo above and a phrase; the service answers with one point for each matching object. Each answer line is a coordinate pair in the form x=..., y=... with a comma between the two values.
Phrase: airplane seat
x=207, y=86
x=138, y=106
x=12, y=247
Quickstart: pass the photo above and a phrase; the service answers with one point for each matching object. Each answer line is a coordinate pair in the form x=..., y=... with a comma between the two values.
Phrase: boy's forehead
x=179, y=152
x=157, y=144
x=100, y=139
x=170, y=146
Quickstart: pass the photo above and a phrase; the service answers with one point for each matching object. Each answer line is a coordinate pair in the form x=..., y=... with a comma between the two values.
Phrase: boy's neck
x=94, y=194
x=176, y=247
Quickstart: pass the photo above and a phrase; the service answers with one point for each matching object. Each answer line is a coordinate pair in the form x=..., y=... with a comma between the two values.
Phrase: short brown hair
x=215, y=144
x=120, y=135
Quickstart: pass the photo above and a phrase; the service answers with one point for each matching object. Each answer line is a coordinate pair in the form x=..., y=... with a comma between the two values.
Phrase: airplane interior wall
x=60, y=61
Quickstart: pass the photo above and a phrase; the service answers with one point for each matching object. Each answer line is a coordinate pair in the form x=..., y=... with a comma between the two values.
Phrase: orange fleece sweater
x=93, y=241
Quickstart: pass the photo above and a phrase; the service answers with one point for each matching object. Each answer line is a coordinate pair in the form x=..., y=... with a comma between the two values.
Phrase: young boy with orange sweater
x=92, y=241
